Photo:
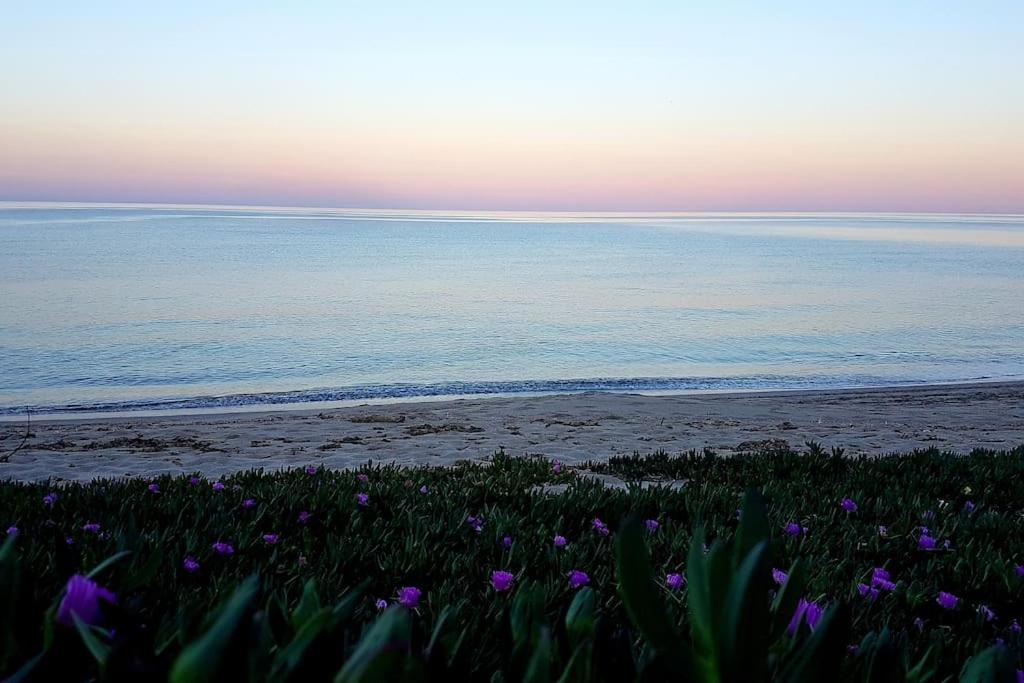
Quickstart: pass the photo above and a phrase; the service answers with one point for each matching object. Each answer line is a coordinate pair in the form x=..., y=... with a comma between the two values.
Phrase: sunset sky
x=871, y=106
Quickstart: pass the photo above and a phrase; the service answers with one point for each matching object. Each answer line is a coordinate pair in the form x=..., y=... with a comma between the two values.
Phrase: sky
x=625, y=106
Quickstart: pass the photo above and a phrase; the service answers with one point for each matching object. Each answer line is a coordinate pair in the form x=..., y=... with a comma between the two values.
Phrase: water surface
x=120, y=308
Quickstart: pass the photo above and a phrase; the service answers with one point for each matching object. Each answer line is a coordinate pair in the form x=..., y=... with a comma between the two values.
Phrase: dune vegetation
x=767, y=566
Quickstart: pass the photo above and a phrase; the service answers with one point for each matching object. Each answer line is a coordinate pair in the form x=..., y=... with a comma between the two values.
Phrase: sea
x=122, y=308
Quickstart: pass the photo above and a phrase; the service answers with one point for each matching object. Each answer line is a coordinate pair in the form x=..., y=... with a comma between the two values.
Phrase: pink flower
x=578, y=579
x=409, y=596
x=501, y=580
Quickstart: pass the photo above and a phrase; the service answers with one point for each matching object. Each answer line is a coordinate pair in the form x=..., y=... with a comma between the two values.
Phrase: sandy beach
x=572, y=428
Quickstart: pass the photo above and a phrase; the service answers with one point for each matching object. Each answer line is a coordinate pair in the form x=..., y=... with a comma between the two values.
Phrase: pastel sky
x=866, y=106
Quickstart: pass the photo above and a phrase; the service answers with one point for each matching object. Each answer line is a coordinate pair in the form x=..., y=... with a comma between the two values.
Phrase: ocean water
x=128, y=307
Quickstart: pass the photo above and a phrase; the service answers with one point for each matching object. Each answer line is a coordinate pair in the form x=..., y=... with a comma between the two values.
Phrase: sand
x=572, y=428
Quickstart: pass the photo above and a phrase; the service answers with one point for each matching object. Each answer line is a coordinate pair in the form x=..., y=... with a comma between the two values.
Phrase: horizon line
x=208, y=206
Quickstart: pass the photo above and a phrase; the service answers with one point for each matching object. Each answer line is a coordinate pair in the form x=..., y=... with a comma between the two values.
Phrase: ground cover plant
x=770, y=566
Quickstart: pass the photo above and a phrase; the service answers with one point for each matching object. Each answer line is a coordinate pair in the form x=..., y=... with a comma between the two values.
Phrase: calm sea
x=122, y=308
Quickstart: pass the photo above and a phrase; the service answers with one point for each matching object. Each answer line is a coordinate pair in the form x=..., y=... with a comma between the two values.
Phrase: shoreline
x=299, y=406
x=571, y=427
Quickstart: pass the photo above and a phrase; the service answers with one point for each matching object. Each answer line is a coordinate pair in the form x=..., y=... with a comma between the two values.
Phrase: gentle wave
x=411, y=391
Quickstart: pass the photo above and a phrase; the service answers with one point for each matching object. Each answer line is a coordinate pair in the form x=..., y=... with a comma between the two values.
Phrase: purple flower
x=1014, y=626
x=302, y=560
x=848, y=505
x=363, y=477
x=501, y=580
x=969, y=507
x=805, y=611
x=556, y=467
x=779, y=576
x=919, y=624
x=881, y=580
x=249, y=503
x=600, y=527
x=381, y=604
x=883, y=531
x=947, y=600
x=560, y=541
x=82, y=598
x=793, y=529
x=68, y=540
x=578, y=579
x=987, y=613
x=424, y=489
x=154, y=488
x=193, y=481
x=506, y=542
x=12, y=530
x=362, y=499
x=675, y=581
x=409, y=596
x=190, y=565
x=867, y=591
x=310, y=469
x=91, y=528
x=304, y=517
x=222, y=548
x=476, y=523
x=49, y=499
x=1020, y=571
x=218, y=486
x=652, y=525
x=270, y=539
x=925, y=542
